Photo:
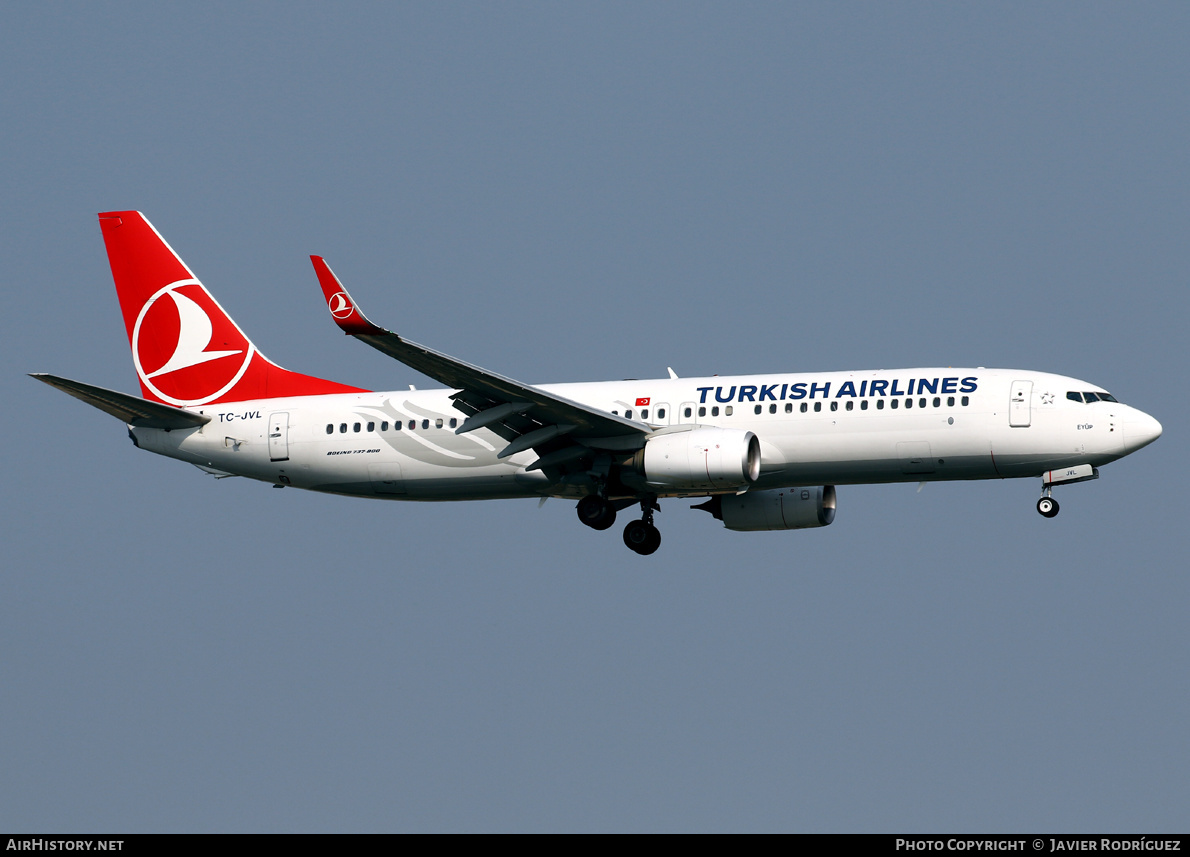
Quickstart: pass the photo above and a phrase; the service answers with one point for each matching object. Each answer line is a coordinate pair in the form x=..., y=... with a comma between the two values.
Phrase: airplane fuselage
x=823, y=428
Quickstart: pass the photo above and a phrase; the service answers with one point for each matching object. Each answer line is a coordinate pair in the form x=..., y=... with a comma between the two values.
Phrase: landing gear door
x=279, y=436
x=1018, y=404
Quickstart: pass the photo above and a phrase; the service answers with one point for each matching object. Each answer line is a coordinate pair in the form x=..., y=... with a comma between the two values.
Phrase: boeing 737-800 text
x=765, y=450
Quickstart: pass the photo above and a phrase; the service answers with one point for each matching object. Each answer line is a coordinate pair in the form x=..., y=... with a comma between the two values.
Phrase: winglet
x=343, y=309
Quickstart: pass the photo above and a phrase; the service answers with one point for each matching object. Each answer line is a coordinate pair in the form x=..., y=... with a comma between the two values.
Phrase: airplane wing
x=130, y=409
x=559, y=429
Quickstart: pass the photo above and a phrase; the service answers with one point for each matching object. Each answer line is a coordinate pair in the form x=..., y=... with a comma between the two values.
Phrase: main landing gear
x=599, y=513
x=641, y=536
x=596, y=512
x=1047, y=505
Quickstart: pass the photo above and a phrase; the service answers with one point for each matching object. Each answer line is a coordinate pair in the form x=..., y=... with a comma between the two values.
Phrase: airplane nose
x=1140, y=430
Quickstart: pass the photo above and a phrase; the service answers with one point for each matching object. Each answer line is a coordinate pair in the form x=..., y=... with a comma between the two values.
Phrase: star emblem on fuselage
x=1047, y=398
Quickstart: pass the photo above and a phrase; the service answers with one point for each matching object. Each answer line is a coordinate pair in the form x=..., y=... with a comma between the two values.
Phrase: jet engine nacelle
x=777, y=509
x=703, y=458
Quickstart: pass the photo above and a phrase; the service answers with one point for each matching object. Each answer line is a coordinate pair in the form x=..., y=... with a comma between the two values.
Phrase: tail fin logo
x=186, y=349
x=340, y=305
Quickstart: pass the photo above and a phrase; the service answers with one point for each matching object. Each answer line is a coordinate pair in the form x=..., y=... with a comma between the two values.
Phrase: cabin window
x=644, y=413
x=880, y=404
x=355, y=426
x=863, y=406
x=715, y=411
x=688, y=412
x=661, y=413
x=966, y=401
x=950, y=401
x=817, y=407
x=921, y=403
x=454, y=421
x=412, y=425
x=834, y=406
x=628, y=414
x=371, y=426
x=789, y=407
x=908, y=403
x=398, y=425
x=850, y=405
x=937, y=402
x=425, y=424
x=702, y=412
x=330, y=428
x=384, y=425
x=342, y=428
x=757, y=409
x=805, y=407
x=893, y=404
x=727, y=411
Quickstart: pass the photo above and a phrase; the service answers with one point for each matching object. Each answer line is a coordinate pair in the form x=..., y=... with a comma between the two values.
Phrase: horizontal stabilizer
x=129, y=409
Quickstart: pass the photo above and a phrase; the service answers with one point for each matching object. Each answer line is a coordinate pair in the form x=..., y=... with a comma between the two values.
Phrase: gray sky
x=584, y=192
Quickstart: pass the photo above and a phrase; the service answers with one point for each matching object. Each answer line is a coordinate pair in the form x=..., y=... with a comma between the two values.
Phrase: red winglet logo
x=340, y=305
x=343, y=309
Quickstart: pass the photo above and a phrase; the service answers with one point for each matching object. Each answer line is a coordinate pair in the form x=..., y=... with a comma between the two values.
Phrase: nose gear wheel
x=1047, y=506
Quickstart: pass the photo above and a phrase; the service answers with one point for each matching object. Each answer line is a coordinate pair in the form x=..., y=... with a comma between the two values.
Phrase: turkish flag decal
x=642, y=403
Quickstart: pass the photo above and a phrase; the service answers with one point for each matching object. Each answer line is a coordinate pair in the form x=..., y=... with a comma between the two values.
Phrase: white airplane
x=766, y=450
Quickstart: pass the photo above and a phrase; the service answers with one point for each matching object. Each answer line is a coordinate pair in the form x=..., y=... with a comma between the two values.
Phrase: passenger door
x=279, y=436
x=1019, y=414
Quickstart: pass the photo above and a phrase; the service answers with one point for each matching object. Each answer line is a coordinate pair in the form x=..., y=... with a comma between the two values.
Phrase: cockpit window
x=1091, y=397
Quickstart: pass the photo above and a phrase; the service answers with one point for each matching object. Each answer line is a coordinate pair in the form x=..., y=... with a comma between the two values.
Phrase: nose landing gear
x=1047, y=505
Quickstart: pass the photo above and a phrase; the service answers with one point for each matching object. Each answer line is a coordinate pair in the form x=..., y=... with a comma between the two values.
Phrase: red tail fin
x=186, y=349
